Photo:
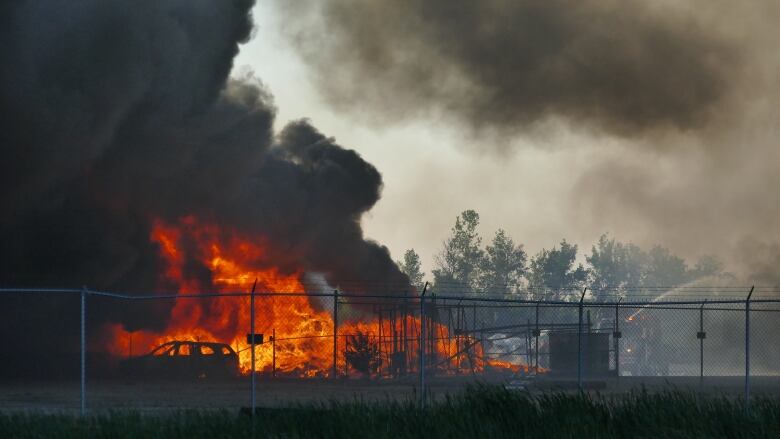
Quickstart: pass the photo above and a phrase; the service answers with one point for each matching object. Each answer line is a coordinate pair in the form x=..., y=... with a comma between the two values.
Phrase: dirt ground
x=105, y=395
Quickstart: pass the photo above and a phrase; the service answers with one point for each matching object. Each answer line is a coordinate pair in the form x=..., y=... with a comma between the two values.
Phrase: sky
x=703, y=188
x=427, y=168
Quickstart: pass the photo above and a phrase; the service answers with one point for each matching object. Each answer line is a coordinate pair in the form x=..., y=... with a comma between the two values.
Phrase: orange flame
x=304, y=331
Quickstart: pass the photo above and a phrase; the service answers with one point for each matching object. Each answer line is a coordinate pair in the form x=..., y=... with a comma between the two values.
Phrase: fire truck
x=642, y=350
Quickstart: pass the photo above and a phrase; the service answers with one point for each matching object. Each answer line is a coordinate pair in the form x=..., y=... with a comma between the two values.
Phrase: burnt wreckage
x=185, y=359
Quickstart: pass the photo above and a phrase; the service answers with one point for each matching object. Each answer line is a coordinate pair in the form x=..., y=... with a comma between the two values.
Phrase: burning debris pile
x=301, y=328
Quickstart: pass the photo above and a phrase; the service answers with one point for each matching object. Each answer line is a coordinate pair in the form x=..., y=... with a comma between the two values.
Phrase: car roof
x=198, y=343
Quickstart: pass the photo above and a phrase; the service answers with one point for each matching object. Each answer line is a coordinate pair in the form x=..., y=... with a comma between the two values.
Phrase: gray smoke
x=622, y=67
x=711, y=191
x=674, y=102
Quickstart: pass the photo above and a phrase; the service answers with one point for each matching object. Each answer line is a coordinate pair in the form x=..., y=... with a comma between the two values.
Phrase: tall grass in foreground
x=491, y=412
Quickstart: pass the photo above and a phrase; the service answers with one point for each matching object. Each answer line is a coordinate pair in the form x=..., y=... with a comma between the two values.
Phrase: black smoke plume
x=116, y=113
x=621, y=67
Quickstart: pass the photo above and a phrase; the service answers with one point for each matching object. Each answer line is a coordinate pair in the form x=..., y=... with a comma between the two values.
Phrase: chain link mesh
x=194, y=351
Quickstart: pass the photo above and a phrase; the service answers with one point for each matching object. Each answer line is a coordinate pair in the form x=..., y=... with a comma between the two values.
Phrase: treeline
x=503, y=267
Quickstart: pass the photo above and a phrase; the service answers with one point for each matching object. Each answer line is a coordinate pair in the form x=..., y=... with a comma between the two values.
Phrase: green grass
x=479, y=412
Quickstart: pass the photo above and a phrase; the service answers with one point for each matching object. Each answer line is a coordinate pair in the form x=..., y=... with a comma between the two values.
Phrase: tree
x=362, y=353
x=503, y=264
x=458, y=263
x=614, y=266
x=412, y=267
x=554, y=270
x=707, y=265
x=664, y=269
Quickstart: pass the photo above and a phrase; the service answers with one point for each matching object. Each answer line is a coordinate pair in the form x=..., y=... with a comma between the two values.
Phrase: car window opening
x=185, y=349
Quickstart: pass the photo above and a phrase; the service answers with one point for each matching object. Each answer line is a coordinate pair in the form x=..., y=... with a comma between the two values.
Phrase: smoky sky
x=118, y=113
x=671, y=106
x=617, y=67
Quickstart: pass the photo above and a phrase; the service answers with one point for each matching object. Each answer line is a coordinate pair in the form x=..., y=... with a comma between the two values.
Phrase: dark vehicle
x=185, y=359
x=643, y=352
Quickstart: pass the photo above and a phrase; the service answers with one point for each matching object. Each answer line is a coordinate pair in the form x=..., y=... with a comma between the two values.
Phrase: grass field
x=477, y=412
x=166, y=395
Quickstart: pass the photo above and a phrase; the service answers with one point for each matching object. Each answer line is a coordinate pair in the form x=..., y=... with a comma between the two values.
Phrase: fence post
x=579, y=341
x=616, y=336
x=335, y=332
x=701, y=336
x=747, y=348
x=528, y=351
x=537, y=332
x=252, y=346
x=83, y=350
x=422, y=346
x=273, y=353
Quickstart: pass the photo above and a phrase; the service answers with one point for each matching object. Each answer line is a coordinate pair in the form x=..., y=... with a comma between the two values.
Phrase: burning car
x=185, y=359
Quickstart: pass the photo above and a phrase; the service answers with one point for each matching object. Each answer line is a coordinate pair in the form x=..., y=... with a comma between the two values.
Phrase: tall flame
x=303, y=344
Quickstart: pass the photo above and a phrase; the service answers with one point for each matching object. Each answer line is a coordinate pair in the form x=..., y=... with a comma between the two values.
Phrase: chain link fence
x=88, y=350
